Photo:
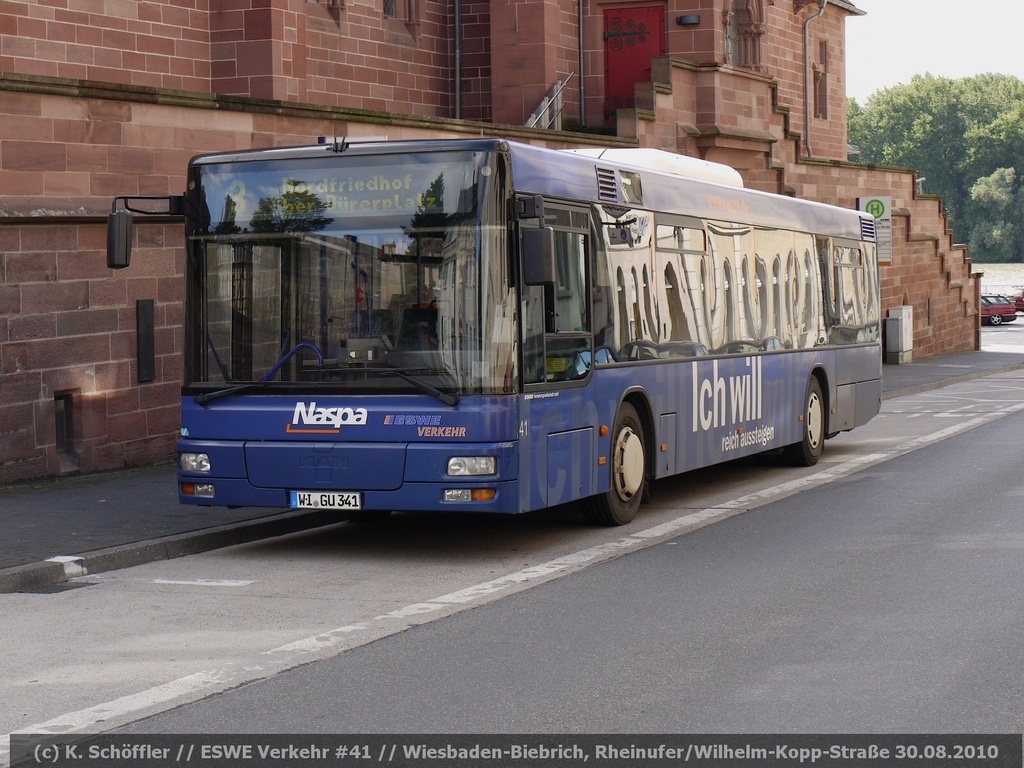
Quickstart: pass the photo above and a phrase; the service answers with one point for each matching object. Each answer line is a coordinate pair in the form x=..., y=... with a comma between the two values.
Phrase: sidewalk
x=112, y=520
x=920, y=376
x=52, y=530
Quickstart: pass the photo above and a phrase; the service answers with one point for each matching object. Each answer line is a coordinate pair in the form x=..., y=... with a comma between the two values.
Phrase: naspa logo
x=308, y=418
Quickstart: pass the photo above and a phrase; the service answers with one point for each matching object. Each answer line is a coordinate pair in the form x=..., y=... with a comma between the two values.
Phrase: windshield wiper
x=207, y=397
x=448, y=398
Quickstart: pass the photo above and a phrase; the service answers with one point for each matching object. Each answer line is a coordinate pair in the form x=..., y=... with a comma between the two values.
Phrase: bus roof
x=668, y=162
x=575, y=176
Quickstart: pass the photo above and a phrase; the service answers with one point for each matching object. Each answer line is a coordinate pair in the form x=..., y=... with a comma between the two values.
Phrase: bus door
x=557, y=419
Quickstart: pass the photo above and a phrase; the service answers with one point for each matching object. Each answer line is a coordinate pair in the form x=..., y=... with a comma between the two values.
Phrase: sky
x=898, y=39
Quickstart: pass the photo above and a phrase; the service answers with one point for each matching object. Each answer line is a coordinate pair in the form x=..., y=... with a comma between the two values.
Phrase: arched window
x=744, y=28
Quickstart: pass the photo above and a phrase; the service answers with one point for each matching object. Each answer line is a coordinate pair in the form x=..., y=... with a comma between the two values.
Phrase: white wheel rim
x=815, y=420
x=629, y=467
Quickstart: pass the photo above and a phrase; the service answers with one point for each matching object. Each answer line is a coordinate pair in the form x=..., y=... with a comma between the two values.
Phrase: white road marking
x=205, y=582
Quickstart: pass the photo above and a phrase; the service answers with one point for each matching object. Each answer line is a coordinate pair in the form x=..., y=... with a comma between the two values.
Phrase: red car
x=997, y=309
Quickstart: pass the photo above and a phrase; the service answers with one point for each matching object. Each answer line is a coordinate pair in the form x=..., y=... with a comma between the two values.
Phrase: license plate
x=325, y=500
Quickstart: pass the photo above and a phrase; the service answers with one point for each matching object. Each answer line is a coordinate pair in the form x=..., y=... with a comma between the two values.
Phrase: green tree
x=855, y=128
x=921, y=126
x=952, y=132
x=998, y=143
x=997, y=213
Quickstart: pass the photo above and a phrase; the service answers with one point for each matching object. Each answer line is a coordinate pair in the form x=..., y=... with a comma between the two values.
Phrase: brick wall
x=67, y=331
x=528, y=53
x=476, y=85
x=360, y=60
x=163, y=45
x=345, y=53
x=784, y=47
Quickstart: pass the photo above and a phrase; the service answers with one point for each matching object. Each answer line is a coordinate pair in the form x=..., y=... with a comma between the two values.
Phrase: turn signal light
x=469, y=494
x=201, y=490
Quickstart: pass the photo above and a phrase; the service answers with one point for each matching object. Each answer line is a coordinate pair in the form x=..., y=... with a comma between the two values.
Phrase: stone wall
x=68, y=333
x=331, y=52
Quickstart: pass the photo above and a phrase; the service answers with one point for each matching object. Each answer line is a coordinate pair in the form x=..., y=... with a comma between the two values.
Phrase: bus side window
x=556, y=316
x=532, y=321
x=570, y=292
x=567, y=350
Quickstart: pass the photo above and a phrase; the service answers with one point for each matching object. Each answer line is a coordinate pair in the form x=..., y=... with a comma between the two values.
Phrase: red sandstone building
x=109, y=97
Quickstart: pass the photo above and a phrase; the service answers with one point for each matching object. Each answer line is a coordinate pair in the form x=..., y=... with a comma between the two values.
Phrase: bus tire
x=807, y=452
x=620, y=503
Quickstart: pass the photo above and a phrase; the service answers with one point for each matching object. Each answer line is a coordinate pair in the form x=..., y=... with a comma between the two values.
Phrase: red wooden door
x=632, y=37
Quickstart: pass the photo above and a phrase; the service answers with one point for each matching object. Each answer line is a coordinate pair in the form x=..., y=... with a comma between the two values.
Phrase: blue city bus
x=480, y=325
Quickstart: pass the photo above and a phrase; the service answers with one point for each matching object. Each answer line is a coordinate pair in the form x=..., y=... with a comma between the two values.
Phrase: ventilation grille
x=867, y=229
x=607, y=188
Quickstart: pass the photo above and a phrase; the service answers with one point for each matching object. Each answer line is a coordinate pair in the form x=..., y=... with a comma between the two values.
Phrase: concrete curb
x=62, y=569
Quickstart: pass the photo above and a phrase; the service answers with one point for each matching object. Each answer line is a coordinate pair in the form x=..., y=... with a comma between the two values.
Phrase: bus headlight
x=194, y=462
x=466, y=466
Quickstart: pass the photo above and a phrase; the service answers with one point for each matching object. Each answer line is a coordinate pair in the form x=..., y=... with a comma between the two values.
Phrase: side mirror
x=538, y=256
x=119, y=239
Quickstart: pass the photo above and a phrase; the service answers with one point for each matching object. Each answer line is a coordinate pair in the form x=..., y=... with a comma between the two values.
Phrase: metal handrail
x=557, y=88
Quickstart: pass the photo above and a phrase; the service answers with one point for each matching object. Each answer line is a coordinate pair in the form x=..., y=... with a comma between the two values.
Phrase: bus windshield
x=349, y=273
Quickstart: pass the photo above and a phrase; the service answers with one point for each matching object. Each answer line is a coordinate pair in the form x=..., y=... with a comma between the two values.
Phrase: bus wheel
x=807, y=452
x=629, y=473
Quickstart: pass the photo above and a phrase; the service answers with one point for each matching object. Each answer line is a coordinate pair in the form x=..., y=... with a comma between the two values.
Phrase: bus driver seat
x=419, y=328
